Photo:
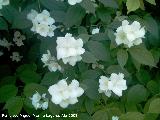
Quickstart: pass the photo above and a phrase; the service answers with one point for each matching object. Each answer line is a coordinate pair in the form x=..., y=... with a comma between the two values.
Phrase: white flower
x=42, y=23
x=51, y=62
x=16, y=57
x=32, y=15
x=3, y=3
x=39, y=101
x=115, y=118
x=115, y=83
x=129, y=35
x=44, y=18
x=103, y=86
x=64, y=94
x=69, y=49
x=18, y=38
x=5, y=43
x=95, y=31
x=73, y=2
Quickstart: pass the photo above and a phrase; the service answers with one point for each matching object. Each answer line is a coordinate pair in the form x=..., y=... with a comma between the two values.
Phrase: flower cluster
x=18, y=38
x=50, y=61
x=42, y=23
x=5, y=43
x=129, y=35
x=64, y=94
x=39, y=101
x=73, y=2
x=69, y=49
x=3, y=3
x=115, y=83
x=115, y=118
x=16, y=57
x=95, y=31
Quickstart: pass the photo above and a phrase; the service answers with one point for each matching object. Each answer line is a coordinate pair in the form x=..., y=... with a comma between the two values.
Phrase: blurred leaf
x=132, y=116
x=154, y=106
x=151, y=1
x=99, y=50
x=137, y=94
x=90, y=74
x=104, y=15
x=7, y=80
x=153, y=87
x=74, y=16
x=92, y=90
x=100, y=115
x=122, y=57
x=88, y=57
x=30, y=89
x=50, y=78
x=88, y=6
x=54, y=5
x=132, y=5
x=54, y=109
x=29, y=76
x=151, y=25
x=89, y=104
x=142, y=55
x=7, y=91
x=3, y=24
x=109, y=3
x=14, y=105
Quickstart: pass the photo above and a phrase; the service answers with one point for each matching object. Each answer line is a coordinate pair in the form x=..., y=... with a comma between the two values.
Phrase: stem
x=39, y=5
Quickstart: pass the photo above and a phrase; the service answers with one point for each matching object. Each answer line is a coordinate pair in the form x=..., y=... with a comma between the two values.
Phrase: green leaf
x=152, y=26
x=3, y=24
x=137, y=94
x=104, y=15
x=152, y=2
x=23, y=67
x=132, y=116
x=14, y=105
x=154, y=106
x=153, y=87
x=92, y=90
x=90, y=74
x=99, y=50
x=54, y=5
x=50, y=78
x=132, y=5
x=109, y=3
x=117, y=69
x=84, y=37
x=58, y=15
x=100, y=115
x=99, y=37
x=84, y=116
x=88, y=6
x=89, y=104
x=88, y=57
x=21, y=21
x=29, y=76
x=122, y=57
x=82, y=30
x=7, y=92
x=9, y=13
x=54, y=109
x=150, y=116
x=142, y=55
x=8, y=80
x=74, y=16
x=30, y=89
